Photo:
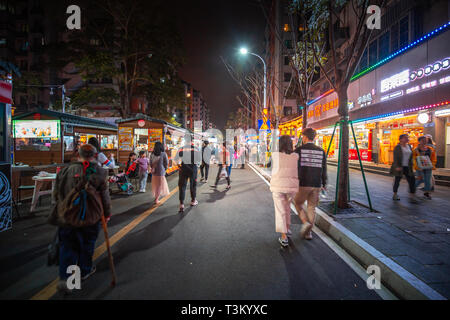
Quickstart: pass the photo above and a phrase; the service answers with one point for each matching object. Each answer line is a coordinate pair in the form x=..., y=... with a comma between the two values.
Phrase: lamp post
x=244, y=51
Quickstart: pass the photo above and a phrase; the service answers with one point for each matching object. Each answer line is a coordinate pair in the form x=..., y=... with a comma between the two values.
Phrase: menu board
x=154, y=135
x=125, y=139
x=36, y=128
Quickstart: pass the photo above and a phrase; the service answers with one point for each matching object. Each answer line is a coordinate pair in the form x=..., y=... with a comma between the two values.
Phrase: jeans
x=410, y=178
x=426, y=179
x=77, y=248
x=143, y=180
x=220, y=170
x=182, y=183
x=205, y=166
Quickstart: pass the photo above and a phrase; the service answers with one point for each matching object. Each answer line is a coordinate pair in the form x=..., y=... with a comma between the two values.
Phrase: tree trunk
x=304, y=116
x=343, y=149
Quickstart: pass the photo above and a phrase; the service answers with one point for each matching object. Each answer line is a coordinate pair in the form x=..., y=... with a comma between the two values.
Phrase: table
x=38, y=182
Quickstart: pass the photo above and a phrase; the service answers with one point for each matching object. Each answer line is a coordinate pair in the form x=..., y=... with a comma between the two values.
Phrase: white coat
x=284, y=172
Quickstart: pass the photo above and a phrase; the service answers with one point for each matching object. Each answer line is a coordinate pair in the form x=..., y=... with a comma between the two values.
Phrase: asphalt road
x=225, y=248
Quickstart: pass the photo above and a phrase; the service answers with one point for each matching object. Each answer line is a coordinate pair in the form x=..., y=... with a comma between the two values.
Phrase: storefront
x=50, y=137
x=142, y=132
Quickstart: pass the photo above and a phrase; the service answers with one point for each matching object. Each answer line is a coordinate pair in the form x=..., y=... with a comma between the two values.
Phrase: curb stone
x=393, y=276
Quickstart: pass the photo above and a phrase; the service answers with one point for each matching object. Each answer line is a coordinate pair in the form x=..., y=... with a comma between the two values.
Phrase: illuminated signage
x=317, y=110
x=365, y=100
x=36, y=128
x=395, y=81
x=428, y=85
x=423, y=118
x=432, y=68
x=441, y=113
x=392, y=95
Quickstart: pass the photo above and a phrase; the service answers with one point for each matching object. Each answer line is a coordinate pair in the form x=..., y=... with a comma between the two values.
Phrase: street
x=225, y=248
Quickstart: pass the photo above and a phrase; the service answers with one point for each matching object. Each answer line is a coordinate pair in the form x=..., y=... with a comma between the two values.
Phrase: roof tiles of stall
x=141, y=116
x=70, y=119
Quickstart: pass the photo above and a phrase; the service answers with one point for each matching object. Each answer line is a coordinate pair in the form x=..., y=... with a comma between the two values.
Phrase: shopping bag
x=223, y=173
x=424, y=162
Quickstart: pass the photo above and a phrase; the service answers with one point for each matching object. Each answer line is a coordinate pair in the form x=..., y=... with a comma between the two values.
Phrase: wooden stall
x=141, y=133
x=47, y=137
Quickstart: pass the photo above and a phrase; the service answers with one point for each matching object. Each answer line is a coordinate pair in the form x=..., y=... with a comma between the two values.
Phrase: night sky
x=211, y=29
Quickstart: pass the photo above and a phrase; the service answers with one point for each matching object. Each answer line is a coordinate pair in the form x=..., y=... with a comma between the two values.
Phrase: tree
x=324, y=16
x=133, y=42
x=238, y=119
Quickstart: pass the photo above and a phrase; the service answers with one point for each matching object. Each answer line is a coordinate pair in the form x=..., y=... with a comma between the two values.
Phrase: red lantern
x=37, y=116
x=141, y=123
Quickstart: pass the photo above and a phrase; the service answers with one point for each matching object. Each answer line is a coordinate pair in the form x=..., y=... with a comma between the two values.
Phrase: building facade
x=402, y=85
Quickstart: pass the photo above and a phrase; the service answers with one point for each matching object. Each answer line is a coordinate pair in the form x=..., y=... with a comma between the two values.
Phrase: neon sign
x=433, y=68
x=395, y=81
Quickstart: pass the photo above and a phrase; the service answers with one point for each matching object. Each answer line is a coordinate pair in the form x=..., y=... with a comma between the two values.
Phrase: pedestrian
x=191, y=158
x=312, y=175
x=101, y=158
x=424, y=162
x=129, y=169
x=206, y=160
x=144, y=170
x=284, y=185
x=159, y=163
x=403, y=165
x=431, y=144
x=77, y=244
x=224, y=161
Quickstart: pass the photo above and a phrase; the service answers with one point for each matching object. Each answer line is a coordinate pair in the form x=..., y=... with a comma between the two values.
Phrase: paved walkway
x=415, y=234
x=225, y=248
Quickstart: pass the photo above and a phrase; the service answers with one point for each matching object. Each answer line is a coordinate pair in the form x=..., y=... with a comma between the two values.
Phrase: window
x=383, y=49
x=286, y=60
x=404, y=32
x=373, y=53
x=288, y=44
x=287, y=76
x=287, y=111
x=363, y=61
x=394, y=38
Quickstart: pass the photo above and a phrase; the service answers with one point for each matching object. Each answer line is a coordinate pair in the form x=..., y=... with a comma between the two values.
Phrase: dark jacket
x=398, y=159
x=67, y=178
x=312, y=166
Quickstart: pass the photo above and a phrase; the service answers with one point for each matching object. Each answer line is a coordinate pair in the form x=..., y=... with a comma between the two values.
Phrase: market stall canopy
x=141, y=116
x=70, y=119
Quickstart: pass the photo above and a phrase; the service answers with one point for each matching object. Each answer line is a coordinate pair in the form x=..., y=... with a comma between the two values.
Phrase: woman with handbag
x=158, y=164
x=424, y=161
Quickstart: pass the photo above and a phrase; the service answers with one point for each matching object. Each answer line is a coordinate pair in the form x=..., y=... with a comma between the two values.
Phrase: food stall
x=46, y=137
x=142, y=132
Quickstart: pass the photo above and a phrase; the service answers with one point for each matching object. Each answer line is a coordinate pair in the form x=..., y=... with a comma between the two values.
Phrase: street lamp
x=244, y=51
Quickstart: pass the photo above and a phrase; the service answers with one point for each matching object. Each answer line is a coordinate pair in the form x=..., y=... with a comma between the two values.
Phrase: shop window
x=383, y=49
x=108, y=142
x=373, y=52
x=404, y=32
x=69, y=143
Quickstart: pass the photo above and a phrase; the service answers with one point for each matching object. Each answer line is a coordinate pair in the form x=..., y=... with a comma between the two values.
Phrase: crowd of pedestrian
x=416, y=165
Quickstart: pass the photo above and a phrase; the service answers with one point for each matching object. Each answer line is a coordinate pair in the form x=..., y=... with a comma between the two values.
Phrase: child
x=143, y=170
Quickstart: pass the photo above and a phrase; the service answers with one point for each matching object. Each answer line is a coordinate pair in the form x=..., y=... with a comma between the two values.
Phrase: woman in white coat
x=284, y=185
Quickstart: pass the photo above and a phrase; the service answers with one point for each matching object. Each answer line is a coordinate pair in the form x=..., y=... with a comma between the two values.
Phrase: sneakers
x=305, y=230
x=194, y=202
x=142, y=191
x=289, y=233
x=395, y=197
x=202, y=180
x=309, y=236
x=228, y=187
x=283, y=242
x=427, y=195
x=94, y=268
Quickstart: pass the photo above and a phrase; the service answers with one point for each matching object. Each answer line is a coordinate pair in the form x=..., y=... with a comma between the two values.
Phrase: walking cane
x=110, y=257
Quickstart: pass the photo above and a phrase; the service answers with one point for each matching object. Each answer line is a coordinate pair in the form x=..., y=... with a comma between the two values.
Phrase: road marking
x=384, y=293
x=50, y=290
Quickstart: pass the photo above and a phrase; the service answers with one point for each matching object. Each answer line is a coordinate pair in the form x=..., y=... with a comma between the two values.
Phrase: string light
x=413, y=109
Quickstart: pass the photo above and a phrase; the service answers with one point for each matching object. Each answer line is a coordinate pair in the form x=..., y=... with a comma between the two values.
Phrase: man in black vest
x=312, y=175
x=191, y=158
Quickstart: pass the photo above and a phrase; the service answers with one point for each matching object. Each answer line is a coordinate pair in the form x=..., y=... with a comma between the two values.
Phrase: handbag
x=223, y=173
x=424, y=162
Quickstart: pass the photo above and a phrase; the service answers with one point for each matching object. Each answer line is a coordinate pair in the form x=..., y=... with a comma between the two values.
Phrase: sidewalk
x=414, y=234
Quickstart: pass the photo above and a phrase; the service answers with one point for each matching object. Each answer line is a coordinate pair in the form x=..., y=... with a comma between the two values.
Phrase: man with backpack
x=191, y=158
x=81, y=197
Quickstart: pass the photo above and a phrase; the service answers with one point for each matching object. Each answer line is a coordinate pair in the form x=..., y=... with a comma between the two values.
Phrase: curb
x=393, y=276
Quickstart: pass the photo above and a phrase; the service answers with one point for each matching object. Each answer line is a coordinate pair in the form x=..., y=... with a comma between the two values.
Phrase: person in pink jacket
x=284, y=185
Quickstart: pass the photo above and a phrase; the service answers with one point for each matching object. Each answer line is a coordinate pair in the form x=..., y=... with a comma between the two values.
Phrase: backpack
x=82, y=206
